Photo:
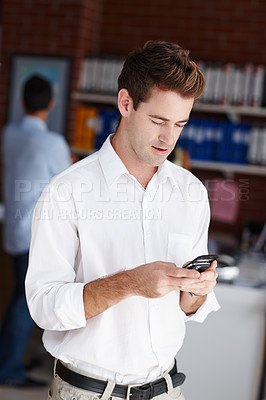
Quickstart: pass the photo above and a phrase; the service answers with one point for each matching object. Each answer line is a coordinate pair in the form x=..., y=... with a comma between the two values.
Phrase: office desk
x=223, y=357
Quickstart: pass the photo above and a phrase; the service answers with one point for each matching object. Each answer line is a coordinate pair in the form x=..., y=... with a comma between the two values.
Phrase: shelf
x=231, y=111
x=205, y=165
x=201, y=107
x=96, y=98
x=81, y=152
x=229, y=168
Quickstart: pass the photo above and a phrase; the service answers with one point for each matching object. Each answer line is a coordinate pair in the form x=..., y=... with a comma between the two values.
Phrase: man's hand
x=151, y=280
x=158, y=278
x=200, y=287
x=205, y=283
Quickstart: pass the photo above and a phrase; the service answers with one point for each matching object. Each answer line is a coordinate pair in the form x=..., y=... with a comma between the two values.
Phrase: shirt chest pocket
x=179, y=249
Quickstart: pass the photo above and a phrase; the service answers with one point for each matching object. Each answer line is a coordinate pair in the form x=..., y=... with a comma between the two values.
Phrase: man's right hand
x=158, y=278
x=151, y=280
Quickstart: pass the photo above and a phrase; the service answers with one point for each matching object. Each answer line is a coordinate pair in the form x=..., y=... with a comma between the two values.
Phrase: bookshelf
x=233, y=112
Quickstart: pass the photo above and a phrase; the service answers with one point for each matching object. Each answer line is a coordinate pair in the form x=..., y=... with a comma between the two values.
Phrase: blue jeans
x=16, y=327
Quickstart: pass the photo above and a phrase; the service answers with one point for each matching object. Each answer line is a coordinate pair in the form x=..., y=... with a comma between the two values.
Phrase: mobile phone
x=201, y=263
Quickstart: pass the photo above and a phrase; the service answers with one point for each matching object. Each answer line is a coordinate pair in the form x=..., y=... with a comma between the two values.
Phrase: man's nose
x=167, y=135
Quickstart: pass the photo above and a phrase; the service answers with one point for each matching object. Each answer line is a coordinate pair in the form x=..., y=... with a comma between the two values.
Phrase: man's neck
x=141, y=171
x=42, y=114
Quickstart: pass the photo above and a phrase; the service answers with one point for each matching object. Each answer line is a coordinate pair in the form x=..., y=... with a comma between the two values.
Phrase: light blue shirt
x=32, y=155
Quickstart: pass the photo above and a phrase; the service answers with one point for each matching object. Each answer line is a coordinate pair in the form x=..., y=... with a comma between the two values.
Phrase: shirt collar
x=111, y=164
x=34, y=122
x=113, y=167
x=165, y=172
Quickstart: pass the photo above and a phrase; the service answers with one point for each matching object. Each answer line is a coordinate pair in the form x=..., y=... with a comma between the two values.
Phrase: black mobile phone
x=201, y=263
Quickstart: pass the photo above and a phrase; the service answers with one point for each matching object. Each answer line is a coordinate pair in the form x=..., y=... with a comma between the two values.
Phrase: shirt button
x=148, y=232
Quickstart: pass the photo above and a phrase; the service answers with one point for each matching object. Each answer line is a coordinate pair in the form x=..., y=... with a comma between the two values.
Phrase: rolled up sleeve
x=54, y=295
x=210, y=304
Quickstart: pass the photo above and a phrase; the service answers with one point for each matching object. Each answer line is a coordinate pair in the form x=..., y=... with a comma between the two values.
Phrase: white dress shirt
x=93, y=220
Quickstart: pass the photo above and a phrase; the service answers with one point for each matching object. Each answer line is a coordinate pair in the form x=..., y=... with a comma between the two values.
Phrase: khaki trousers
x=61, y=390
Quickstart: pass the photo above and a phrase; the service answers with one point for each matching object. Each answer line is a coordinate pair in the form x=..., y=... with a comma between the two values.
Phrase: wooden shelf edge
x=231, y=168
x=95, y=98
x=204, y=165
x=229, y=109
x=82, y=152
x=204, y=107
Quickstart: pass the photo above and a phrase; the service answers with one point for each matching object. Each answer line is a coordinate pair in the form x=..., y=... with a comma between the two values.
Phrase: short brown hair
x=164, y=65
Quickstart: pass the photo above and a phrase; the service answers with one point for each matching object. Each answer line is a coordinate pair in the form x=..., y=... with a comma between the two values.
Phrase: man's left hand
x=204, y=284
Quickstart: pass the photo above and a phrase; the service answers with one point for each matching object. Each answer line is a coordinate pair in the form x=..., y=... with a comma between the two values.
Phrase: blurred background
x=80, y=46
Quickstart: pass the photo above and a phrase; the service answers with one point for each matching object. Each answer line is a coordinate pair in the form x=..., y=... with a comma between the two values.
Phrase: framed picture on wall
x=56, y=70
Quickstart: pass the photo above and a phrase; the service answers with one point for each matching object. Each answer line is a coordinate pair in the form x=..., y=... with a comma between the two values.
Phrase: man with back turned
x=32, y=155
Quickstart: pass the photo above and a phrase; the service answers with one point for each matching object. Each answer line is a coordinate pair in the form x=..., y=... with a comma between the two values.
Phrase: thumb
x=213, y=265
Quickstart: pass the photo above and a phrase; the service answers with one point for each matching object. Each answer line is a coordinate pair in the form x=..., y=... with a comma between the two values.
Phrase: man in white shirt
x=110, y=236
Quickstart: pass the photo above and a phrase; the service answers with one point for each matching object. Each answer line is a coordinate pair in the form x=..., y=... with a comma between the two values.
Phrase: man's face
x=154, y=128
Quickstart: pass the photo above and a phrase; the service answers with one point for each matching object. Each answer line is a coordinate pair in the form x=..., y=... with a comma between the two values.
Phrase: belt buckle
x=128, y=392
x=144, y=392
x=150, y=386
x=129, y=387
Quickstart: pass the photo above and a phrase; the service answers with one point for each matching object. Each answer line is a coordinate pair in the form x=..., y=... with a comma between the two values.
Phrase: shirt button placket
x=147, y=230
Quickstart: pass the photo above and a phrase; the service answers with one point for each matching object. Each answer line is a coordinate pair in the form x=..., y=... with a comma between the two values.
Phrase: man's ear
x=124, y=102
x=22, y=103
x=51, y=104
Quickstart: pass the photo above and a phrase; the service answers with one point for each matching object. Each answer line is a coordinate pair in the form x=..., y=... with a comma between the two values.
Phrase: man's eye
x=157, y=123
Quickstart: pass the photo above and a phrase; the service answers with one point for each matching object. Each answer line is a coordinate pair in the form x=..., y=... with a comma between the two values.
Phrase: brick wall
x=214, y=31
x=48, y=27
